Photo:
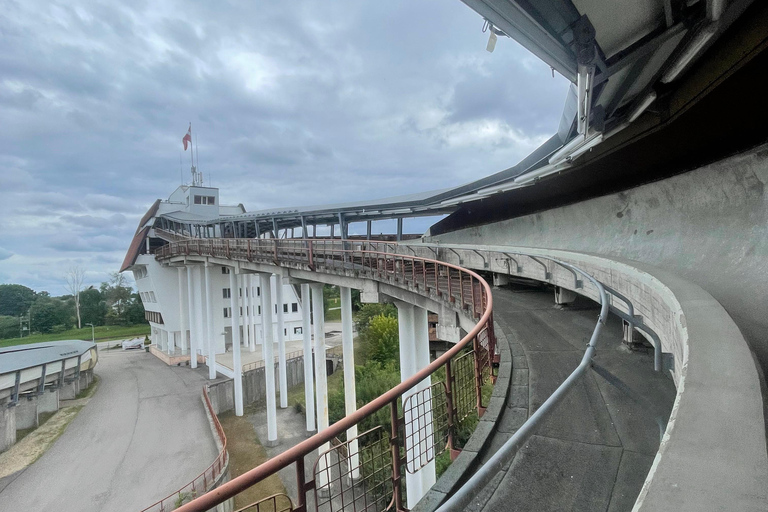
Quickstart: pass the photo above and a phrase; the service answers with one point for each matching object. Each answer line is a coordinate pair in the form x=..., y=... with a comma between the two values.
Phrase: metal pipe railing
x=330, y=255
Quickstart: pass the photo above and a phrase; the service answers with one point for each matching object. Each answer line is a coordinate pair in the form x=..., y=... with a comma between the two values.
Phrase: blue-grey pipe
x=464, y=495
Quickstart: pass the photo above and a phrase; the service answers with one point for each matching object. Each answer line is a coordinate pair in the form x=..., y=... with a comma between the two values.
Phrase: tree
x=75, y=276
x=93, y=308
x=15, y=299
x=116, y=294
x=134, y=310
x=382, y=340
x=48, y=314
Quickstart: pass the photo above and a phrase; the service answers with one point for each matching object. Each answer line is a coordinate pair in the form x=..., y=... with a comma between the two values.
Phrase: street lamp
x=93, y=333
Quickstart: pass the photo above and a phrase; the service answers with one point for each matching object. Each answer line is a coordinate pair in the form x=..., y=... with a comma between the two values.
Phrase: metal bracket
x=461, y=260
x=41, y=387
x=578, y=283
x=485, y=261
x=547, y=273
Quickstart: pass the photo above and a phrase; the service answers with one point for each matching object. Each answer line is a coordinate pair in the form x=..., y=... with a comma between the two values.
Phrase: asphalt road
x=143, y=435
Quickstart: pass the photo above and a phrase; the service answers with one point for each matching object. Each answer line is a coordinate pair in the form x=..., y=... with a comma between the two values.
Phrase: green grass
x=102, y=333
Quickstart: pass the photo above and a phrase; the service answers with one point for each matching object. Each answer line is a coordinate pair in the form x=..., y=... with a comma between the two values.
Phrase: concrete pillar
x=414, y=355
x=193, y=337
x=209, y=323
x=238, y=365
x=7, y=426
x=283, y=379
x=269, y=358
x=182, y=311
x=248, y=323
x=48, y=401
x=350, y=394
x=321, y=378
x=26, y=412
x=306, y=332
x=424, y=425
x=564, y=296
x=405, y=323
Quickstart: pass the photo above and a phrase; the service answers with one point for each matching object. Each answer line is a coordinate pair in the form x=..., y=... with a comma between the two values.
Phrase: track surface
x=594, y=452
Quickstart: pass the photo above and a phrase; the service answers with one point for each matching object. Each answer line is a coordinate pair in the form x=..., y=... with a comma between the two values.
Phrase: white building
x=172, y=296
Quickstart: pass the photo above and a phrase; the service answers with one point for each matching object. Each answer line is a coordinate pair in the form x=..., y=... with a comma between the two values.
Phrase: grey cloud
x=291, y=103
x=5, y=254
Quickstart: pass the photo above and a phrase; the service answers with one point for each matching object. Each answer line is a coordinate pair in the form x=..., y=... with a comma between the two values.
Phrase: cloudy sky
x=292, y=103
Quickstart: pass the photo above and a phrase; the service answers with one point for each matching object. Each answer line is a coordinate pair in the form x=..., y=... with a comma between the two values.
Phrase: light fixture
x=640, y=108
x=576, y=147
x=545, y=170
x=693, y=49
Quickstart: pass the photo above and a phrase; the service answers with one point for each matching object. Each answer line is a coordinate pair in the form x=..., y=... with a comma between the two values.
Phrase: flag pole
x=198, y=160
x=181, y=170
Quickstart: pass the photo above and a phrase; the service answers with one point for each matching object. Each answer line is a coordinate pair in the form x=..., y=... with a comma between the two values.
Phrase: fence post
x=395, y=450
x=449, y=404
x=478, y=376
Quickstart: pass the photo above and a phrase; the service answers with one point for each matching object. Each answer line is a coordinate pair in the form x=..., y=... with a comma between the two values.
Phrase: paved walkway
x=594, y=452
x=142, y=435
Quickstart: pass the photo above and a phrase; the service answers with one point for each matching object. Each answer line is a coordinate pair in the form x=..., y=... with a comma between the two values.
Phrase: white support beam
x=208, y=305
x=350, y=393
x=321, y=378
x=282, y=377
x=306, y=333
x=422, y=359
x=269, y=357
x=193, y=336
x=234, y=281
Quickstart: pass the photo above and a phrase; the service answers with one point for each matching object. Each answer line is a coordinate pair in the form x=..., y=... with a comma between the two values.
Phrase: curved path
x=594, y=452
x=143, y=433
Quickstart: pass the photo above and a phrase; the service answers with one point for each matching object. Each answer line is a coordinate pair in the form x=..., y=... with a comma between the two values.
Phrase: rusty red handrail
x=305, y=251
x=215, y=469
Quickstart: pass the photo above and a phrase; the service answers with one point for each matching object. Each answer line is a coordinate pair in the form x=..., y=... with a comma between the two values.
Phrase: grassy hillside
x=103, y=333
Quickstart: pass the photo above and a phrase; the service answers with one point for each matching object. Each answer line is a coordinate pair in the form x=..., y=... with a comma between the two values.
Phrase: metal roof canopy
x=20, y=357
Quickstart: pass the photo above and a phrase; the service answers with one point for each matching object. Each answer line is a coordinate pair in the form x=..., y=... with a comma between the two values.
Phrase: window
x=259, y=309
x=241, y=310
x=240, y=291
x=152, y=295
x=227, y=312
x=226, y=293
x=295, y=307
x=211, y=200
x=258, y=291
x=275, y=308
x=225, y=270
x=285, y=332
x=285, y=308
x=297, y=330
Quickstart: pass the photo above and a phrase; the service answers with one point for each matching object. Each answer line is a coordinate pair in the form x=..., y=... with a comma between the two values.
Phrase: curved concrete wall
x=713, y=454
x=709, y=226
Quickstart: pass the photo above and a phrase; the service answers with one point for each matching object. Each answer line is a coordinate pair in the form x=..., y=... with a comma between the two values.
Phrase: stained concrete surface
x=144, y=434
x=594, y=451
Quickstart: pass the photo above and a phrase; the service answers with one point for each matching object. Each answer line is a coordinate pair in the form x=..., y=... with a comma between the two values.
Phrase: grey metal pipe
x=464, y=495
x=639, y=325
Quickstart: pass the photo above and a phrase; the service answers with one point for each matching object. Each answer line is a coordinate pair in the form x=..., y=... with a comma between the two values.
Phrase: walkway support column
x=350, y=394
x=414, y=355
x=269, y=357
x=193, y=336
x=236, y=363
x=283, y=378
x=182, y=311
x=405, y=324
x=306, y=333
x=251, y=313
x=209, y=323
x=422, y=358
x=321, y=378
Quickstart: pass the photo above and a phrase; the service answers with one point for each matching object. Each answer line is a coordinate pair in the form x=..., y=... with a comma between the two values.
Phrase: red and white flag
x=188, y=137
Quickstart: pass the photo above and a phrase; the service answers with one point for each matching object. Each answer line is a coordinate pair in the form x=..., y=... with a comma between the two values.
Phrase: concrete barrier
x=222, y=394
